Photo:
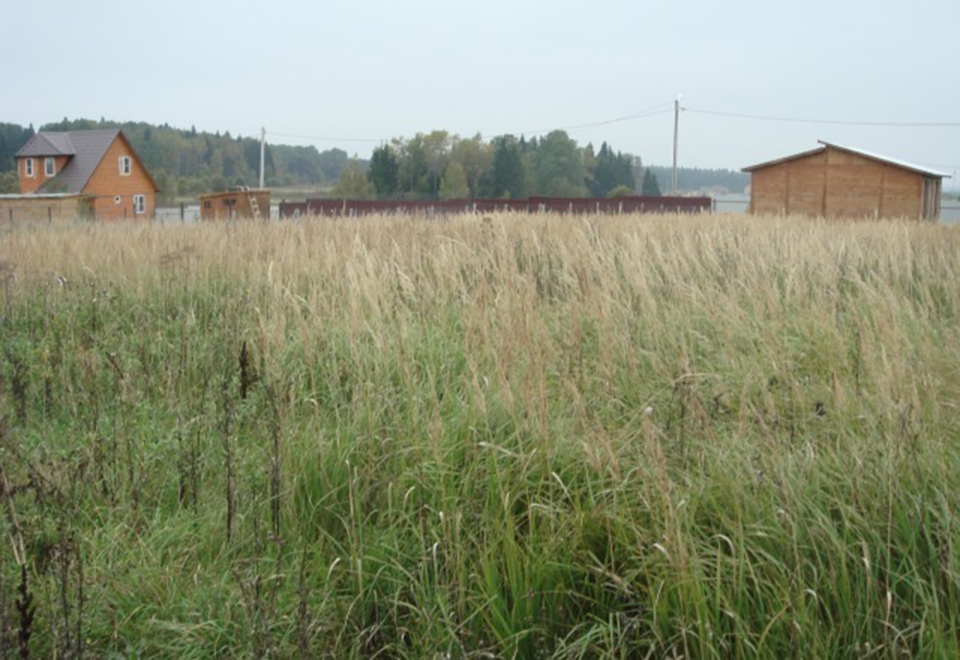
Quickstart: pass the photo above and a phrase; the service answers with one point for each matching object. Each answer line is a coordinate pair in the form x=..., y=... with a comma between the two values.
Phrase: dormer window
x=49, y=166
x=125, y=166
x=28, y=168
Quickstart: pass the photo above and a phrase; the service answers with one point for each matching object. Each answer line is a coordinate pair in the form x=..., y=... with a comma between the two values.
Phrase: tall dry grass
x=493, y=437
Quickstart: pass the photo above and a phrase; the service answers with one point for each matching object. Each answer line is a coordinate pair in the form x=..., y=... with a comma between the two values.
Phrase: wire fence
x=734, y=204
x=950, y=213
x=190, y=213
x=562, y=205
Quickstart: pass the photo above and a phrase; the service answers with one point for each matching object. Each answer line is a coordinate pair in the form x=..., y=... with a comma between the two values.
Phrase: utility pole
x=676, y=131
x=263, y=146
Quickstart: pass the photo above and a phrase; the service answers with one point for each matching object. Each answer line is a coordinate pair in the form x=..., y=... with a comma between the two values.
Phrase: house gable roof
x=47, y=144
x=86, y=148
x=859, y=152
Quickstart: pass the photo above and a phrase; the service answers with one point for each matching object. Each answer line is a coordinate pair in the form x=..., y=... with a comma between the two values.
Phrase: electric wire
x=653, y=111
x=839, y=122
x=649, y=112
x=318, y=138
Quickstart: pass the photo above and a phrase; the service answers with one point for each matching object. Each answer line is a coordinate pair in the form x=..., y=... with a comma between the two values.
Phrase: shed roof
x=234, y=193
x=859, y=152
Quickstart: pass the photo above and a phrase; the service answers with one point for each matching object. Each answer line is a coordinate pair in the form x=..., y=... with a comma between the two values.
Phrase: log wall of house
x=31, y=184
x=107, y=184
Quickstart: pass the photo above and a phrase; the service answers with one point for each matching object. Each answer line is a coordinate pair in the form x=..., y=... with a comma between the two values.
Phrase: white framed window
x=125, y=166
x=28, y=168
x=139, y=204
x=49, y=166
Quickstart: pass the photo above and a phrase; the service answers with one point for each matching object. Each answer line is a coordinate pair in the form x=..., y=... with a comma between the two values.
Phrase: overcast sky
x=362, y=71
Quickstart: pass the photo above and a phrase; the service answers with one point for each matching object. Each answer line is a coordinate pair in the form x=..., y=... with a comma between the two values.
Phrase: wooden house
x=839, y=182
x=99, y=165
x=239, y=203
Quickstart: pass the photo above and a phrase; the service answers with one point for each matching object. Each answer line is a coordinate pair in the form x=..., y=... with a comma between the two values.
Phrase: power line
x=319, y=138
x=660, y=109
x=797, y=120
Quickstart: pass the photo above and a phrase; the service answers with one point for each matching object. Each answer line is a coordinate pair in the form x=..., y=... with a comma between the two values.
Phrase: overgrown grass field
x=501, y=437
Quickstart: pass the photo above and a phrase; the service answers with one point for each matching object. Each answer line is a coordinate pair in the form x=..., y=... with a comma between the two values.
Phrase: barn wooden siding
x=836, y=183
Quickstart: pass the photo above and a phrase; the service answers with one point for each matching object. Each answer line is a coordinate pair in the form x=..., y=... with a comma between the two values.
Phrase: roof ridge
x=886, y=159
x=824, y=145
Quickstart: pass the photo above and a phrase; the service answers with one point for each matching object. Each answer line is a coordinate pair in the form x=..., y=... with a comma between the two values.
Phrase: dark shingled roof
x=87, y=149
x=48, y=144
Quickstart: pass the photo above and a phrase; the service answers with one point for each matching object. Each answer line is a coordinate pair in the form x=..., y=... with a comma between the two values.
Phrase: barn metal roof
x=860, y=152
x=777, y=161
x=886, y=159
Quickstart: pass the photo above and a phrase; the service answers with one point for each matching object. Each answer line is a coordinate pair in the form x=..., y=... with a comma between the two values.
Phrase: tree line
x=703, y=179
x=434, y=165
x=441, y=165
x=185, y=163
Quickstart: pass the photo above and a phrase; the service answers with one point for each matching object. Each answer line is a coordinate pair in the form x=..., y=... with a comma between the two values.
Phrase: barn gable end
x=836, y=182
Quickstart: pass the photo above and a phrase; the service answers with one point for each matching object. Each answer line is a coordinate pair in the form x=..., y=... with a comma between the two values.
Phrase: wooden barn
x=839, y=182
x=241, y=203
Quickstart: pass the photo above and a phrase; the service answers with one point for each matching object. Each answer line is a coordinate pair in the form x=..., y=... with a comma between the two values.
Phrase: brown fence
x=570, y=205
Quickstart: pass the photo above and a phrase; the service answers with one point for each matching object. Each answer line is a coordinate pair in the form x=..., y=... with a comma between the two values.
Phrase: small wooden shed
x=242, y=203
x=840, y=182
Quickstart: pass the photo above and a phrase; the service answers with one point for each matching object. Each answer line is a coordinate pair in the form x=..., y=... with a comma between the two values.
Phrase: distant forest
x=702, y=180
x=185, y=163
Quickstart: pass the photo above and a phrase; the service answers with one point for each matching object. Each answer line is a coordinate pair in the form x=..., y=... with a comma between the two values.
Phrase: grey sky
x=376, y=70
